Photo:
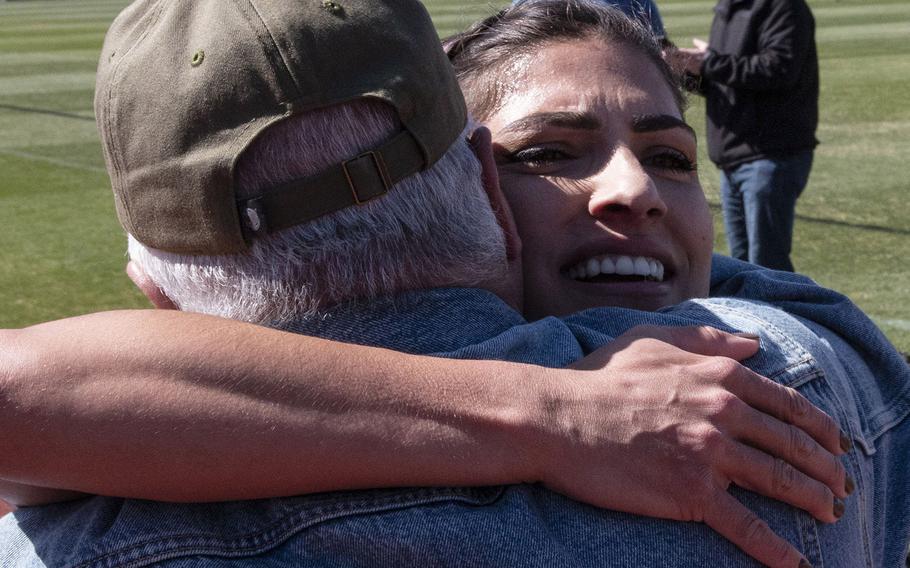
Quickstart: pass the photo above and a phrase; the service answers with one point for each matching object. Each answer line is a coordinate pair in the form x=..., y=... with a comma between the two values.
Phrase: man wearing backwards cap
x=237, y=152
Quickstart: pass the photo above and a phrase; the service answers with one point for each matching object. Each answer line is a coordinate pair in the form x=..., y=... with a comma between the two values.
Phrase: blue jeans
x=759, y=203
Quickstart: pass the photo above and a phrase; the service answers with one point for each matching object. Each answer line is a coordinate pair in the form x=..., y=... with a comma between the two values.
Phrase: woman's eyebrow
x=655, y=122
x=537, y=121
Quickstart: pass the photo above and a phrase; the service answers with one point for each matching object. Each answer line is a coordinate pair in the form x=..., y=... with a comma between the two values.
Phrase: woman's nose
x=623, y=192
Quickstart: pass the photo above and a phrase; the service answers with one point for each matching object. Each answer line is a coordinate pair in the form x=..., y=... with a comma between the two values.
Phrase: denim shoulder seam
x=894, y=414
x=168, y=548
x=804, y=358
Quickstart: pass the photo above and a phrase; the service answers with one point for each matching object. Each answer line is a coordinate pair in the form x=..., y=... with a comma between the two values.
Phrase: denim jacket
x=829, y=351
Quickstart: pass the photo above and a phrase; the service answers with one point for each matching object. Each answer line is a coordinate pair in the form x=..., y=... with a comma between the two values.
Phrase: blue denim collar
x=437, y=320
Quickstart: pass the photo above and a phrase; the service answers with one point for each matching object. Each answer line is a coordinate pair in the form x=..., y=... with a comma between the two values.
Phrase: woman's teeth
x=621, y=265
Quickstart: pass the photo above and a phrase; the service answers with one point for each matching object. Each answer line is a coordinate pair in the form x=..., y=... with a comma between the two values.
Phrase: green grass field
x=62, y=252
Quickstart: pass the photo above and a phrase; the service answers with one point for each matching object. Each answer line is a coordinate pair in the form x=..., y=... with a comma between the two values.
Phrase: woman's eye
x=537, y=157
x=672, y=160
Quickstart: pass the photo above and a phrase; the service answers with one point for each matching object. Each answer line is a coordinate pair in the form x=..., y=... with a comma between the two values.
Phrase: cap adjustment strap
x=367, y=176
x=352, y=182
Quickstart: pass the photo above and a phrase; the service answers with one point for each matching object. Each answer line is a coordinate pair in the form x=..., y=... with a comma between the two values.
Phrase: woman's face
x=599, y=169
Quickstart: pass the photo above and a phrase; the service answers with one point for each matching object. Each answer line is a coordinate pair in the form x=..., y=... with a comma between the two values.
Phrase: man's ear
x=148, y=287
x=482, y=142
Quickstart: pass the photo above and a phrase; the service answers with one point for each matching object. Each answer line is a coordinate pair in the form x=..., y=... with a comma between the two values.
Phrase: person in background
x=759, y=76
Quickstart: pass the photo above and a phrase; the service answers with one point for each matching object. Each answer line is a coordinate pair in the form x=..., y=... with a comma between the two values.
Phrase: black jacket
x=760, y=79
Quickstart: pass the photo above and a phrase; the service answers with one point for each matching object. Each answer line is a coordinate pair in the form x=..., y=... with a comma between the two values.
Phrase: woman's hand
x=666, y=419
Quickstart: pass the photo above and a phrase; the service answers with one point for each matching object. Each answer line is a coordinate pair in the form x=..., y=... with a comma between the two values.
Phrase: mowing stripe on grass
x=53, y=161
x=48, y=131
x=61, y=114
x=42, y=57
x=75, y=17
x=873, y=31
x=46, y=83
x=40, y=9
x=26, y=30
x=898, y=323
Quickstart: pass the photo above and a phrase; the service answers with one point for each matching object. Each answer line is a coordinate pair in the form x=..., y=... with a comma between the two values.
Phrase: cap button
x=198, y=58
x=333, y=7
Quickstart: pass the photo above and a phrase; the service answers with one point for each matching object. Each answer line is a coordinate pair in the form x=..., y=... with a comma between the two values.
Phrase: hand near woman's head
x=689, y=59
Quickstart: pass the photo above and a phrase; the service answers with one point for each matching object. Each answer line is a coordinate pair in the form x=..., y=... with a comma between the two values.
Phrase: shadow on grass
x=59, y=113
x=821, y=221
x=863, y=226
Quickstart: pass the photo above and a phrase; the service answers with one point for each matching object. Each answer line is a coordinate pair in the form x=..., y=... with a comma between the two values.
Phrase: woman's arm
x=27, y=495
x=183, y=407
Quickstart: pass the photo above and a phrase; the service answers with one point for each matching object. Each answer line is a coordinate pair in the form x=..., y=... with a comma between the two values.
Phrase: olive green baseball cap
x=184, y=86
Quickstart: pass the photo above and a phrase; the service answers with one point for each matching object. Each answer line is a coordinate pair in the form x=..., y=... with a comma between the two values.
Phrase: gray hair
x=435, y=228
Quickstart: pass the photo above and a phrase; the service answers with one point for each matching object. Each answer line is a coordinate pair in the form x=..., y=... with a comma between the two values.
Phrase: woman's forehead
x=588, y=76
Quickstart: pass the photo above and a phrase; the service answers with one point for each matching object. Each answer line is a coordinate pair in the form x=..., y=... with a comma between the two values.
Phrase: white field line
x=844, y=13
x=875, y=31
x=901, y=324
x=53, y=161
x=877, y=128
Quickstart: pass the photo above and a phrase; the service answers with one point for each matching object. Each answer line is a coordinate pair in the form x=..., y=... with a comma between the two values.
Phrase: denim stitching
x=897, y=412
x=280, y=531
x=804, y=357
x=807, y=526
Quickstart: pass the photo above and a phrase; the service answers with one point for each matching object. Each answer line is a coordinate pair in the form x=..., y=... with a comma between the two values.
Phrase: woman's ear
x=482, y=142
x=148, y=287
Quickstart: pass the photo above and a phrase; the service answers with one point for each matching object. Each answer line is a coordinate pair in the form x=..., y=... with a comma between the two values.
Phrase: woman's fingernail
x=803, y=563
x=849, y=485
x=746, y=335
x=839, y=508
x=846, y=443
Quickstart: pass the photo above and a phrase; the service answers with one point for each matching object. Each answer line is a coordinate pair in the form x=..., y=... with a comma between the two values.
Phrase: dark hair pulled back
x=481, y=54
